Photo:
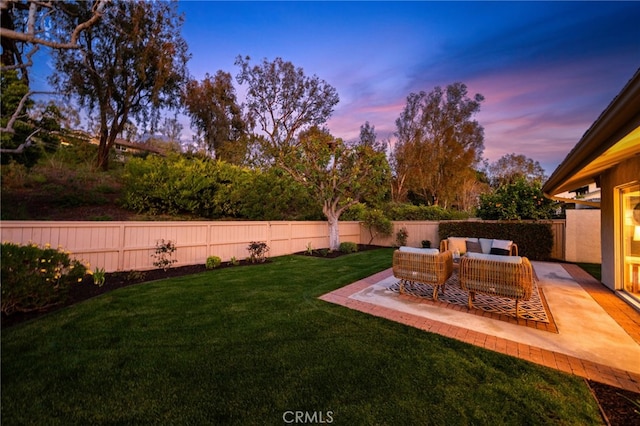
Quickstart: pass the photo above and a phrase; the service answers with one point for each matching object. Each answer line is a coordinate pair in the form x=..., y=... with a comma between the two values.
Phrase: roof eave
x=618, y=119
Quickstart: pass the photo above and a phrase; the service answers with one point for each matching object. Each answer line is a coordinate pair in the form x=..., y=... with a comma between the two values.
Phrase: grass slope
x=245, y=345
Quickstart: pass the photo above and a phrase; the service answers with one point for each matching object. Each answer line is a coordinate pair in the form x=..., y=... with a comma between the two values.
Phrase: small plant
x=401, y=237
x=258, y=251
x=213, y=262
x=99, y=276
x=164, y=254
x=233, y=261
x=134, y=276
x=426, y=244
x=636, y=403
x=324, y=252
x=309, y=249
x=348, y=247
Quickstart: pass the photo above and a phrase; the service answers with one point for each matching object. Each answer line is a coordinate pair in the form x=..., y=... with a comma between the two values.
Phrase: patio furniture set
x=486, y=266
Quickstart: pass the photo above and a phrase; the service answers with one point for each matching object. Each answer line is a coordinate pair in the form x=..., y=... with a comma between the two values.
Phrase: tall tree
x=337, y=174
x=282, y=101
x=214, y=110
x=511, y=167
x=131, y=64
x=27, y=25
x=438, y=143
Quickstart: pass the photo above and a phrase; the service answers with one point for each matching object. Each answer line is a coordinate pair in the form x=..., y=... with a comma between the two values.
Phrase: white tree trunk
x=334, y=231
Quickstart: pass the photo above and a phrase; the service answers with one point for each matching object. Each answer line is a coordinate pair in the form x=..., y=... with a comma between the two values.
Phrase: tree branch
x=20, y=149
x=16, y=114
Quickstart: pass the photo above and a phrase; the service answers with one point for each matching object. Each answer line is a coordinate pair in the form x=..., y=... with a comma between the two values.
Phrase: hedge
x=534, y=239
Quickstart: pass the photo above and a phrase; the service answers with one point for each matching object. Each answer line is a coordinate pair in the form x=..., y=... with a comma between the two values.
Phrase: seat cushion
x=419, y=250
x=495, y=258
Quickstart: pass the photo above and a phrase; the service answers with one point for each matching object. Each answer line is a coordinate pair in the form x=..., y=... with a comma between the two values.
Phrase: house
x=609, y=155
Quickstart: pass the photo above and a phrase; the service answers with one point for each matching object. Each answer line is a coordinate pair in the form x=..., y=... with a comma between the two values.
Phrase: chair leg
x=435, y=292
x=517, y=312
x=401, y=286
x=471, y=295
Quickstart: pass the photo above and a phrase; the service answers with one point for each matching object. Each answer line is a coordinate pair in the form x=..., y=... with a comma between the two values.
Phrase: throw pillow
x=502, y=245
x=473, y=247
x=499, y=251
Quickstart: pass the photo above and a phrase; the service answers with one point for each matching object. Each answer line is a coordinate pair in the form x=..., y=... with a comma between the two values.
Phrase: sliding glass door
x=630, y=239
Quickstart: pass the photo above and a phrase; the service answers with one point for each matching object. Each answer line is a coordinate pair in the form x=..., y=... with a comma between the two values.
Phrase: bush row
x=211, y=189
x=534, y=240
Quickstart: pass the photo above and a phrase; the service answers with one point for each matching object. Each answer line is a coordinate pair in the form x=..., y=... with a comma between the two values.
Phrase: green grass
x=244, y=345
x=594, y=269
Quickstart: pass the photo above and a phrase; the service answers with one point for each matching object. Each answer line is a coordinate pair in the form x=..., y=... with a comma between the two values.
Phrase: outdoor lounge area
x=585, y=330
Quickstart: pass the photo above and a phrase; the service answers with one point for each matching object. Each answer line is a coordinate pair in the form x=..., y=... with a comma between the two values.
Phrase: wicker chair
x=511, y=279
x=434, y=269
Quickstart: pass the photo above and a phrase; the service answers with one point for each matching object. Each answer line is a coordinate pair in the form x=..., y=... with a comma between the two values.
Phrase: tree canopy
x=438, y=144
x=214, y=110
x=337, y=174
x=511, y=167
x=282, y=102
x=131, y=64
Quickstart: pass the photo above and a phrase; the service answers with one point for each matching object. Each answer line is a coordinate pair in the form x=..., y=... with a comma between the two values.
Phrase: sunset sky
x=546, y=69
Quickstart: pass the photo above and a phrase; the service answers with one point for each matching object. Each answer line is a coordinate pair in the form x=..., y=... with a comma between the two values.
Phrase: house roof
x=612, y=138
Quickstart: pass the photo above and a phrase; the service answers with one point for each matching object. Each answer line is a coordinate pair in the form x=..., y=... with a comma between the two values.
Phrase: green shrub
x=377, y=223
x=412, y=212
x=348, y=247
x=534, y=240
x=516, y=201
x=213, y=262
x=34, y=278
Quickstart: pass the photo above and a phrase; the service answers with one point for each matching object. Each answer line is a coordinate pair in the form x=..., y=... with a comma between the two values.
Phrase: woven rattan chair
x=497, y=278
x=434, y=269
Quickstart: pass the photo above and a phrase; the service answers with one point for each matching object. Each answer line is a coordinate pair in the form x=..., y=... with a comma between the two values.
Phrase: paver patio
x=598, y=334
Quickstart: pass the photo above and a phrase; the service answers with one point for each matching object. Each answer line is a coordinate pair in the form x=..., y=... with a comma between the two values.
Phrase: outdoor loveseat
x=463, y=245
x=504, y=276
x=425, y=266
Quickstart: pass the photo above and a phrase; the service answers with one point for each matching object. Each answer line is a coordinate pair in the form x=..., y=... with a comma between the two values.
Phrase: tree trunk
x=329, y=210
x=334, y=233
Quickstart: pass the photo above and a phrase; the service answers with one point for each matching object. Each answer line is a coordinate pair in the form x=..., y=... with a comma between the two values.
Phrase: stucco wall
x=625, y=173
x=582, y=242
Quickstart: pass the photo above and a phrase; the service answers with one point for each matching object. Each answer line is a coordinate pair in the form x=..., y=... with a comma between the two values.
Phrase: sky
x=546, y=69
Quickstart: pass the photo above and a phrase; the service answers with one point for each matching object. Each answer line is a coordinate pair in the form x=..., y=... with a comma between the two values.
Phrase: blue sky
x=546, y=69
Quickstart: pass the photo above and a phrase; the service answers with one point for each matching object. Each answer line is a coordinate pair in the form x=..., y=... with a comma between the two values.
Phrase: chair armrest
x=514, y=249
x=444, y=245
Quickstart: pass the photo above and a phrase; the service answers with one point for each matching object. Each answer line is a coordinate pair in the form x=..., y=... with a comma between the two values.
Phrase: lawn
x=247, y=345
